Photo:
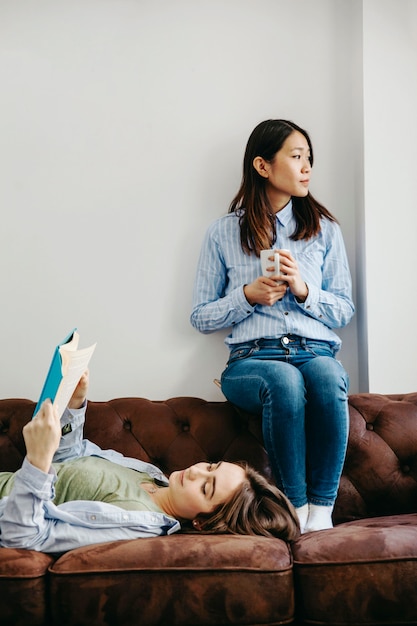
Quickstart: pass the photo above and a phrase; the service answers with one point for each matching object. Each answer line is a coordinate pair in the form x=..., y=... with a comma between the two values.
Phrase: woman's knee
x=264, y=382
x=272, y=372
x=326, y=371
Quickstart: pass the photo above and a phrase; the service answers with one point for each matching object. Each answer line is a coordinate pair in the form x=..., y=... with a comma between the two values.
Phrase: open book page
x=74, y=364
x=67, y=366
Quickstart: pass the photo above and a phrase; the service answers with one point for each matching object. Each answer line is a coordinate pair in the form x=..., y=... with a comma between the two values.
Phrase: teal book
x=67, y=366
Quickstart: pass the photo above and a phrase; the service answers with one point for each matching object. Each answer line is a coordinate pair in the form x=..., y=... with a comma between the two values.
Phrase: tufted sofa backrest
x=171, y=434
x=379, y=477
x=380, y=471
x=175, y=433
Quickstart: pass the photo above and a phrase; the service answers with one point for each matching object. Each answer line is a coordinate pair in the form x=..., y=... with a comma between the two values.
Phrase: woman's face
x=289, y=172
x=204, y=486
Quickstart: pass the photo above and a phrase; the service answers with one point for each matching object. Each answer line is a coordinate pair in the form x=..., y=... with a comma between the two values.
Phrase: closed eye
x=212, y=482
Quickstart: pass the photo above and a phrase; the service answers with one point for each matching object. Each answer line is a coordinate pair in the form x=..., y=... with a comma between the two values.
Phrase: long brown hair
x=257, y=219
x=257, y=508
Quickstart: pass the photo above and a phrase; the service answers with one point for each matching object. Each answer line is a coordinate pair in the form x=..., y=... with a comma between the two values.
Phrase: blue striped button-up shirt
x=224, y=268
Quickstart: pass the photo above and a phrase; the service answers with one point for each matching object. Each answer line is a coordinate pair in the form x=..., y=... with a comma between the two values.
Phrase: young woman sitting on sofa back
x=69, y=492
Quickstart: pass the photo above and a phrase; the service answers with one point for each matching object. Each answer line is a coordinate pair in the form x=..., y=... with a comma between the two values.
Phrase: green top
x=93, y=478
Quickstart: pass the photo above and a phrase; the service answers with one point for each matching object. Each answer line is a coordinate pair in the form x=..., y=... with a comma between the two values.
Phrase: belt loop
x=303, y=341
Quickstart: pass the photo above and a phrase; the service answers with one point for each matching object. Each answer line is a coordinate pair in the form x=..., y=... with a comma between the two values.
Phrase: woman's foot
x=80, y=394
x=319, y=518
x=302, y=514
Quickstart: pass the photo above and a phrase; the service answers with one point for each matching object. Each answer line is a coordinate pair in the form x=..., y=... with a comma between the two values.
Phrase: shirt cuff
x=38, y=482
x=241, y=303
x=312, y=297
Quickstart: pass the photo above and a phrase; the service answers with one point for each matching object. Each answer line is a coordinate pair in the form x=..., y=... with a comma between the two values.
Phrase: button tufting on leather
x=369, y=426
x=185, y=428
x=127, y=425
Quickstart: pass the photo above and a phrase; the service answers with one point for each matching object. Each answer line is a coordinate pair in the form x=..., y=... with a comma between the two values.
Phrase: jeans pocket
x=241, y=352
x=319, y=348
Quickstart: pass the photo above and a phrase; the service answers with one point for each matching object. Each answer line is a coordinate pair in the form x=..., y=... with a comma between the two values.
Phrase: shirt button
x=285, y=340
x=93, y=517
x=125, y=517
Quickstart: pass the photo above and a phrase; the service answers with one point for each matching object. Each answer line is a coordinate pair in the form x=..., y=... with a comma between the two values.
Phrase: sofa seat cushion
x=183, y=579
x=23, y=586
x=362, y=572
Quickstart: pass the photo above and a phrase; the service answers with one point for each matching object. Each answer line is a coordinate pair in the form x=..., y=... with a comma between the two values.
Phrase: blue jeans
x=300, y=390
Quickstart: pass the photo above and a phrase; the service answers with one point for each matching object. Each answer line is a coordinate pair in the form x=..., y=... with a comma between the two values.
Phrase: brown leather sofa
x=363, y=571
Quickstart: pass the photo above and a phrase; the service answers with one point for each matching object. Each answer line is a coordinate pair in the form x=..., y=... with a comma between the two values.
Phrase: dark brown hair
x=257, y=508
x=257, y=220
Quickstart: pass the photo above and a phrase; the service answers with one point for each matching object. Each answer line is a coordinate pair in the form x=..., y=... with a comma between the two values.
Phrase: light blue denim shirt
x=29, y=519
x=223, y=270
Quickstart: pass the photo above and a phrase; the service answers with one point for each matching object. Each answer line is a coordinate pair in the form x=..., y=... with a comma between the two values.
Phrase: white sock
x=302, y=514
x=319, y=518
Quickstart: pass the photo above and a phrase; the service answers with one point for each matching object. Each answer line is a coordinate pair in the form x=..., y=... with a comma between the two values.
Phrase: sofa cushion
x=362, y=572
x=183, y=579
x=23, y=587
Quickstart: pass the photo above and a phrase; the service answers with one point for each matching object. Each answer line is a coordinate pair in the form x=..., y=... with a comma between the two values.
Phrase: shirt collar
x=285, y=215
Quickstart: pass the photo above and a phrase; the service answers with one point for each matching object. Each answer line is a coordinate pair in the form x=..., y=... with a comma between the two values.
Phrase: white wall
x=123, y=125
x=390, y=139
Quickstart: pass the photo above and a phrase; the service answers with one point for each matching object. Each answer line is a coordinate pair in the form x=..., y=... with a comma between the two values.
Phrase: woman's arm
x=331, y=303
x=212, y=308
x=42, y=436
x=30, y=520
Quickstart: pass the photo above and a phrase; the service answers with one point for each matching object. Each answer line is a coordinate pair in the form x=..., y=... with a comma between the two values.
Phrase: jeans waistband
x=283, y=340
x=286, y=343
